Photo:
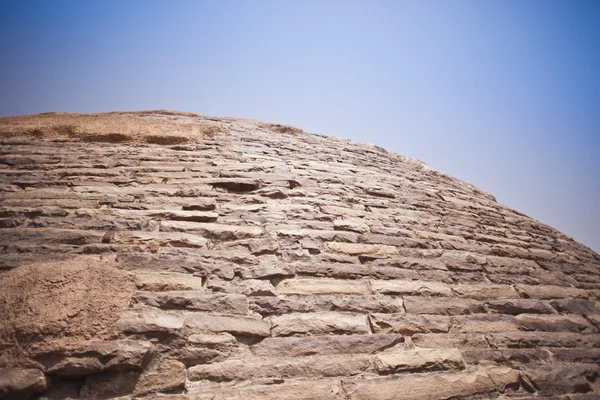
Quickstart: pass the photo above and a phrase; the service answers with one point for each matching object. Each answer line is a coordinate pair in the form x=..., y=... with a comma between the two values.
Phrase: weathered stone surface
x=283, y=368
x=194, y=300
x=411, y=288
x=163, y=281
x=419, y=360
x=257, y=287
x=99, y=356
x=324, y=345
x=368, y=250
x=563, y=378
x=481, y=323
x=351, y=225
x=21, y=383
x=442, y=305
x=518, y=306
x=236, y=324
x=150, y=321
x=409, y=324
x=429, y=386
x=546, y=339
x=555, y=323
x=322, y=286
x=485, y=291
x=551, y=292
x=318, y=324
x=304, y=304
x=168, y=376
x=326, y=389
x=276, y=265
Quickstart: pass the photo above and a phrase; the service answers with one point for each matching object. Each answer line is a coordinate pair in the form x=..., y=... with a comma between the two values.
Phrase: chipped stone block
x=165, y=281
x=21, y=383
x=551, y=292
x=328, y=344
x=356, y=249
x=150, y=321
x=411, y=288
x=318, y=324
x=194, y=300
x=442, y=305
x=419, y=360
x=283, y=368
x=409, y=324
x=99, y=356
x=322, y=286
x=236, y=324
x=485, y=291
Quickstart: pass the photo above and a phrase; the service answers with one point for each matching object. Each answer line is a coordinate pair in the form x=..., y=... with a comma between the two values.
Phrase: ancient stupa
x=164, y=255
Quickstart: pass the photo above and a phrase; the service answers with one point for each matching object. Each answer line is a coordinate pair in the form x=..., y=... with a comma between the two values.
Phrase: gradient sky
x=502, y=94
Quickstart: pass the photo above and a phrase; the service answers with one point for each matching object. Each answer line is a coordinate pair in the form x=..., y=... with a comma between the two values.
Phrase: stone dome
x=163, y=255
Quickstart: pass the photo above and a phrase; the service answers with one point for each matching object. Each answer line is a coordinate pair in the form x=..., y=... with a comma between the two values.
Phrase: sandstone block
x=577, y=355
x=345, y=303
x=357, y=249
x=485, y=291
x=194, y=300
x=21, y=383
x=213, y=230
x=442, y=305
x=562, y=377
x=451, y=340
x=192, y=216
x=164, y=281
x=483, y=323
x=236, y=324
x=408, y=324
x=274, y=389
x=283, y=368
x=351, y=225
x=554, y=323
x=318, y=324
x=168, y=376
x=257, y=287
x=518, y=306
x=545, y=339
x=419, y=360
x=413, y=288
x=322, y=286
x=324, y=345
x=422, y=386
x=99, y=356
x=149, y=321
x=576, y=306
x=551, y=292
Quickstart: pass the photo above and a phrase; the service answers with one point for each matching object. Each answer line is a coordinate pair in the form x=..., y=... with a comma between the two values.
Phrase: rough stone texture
x=221, y=258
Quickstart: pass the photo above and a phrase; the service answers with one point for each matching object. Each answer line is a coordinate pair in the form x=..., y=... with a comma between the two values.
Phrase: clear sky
x=502, y=94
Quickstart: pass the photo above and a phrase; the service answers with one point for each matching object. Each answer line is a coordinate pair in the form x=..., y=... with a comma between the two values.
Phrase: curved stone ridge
x=268, y=263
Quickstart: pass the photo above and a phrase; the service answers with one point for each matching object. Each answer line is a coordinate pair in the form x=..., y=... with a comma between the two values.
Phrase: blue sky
x=502, y=94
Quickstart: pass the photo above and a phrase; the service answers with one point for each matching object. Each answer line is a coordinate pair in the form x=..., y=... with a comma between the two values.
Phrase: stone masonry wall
x=261, y=265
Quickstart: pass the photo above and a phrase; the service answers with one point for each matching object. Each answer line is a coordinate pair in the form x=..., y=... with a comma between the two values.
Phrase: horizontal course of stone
x=279, y=266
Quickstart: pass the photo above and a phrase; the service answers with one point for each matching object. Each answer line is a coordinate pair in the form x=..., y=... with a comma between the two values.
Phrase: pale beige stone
x=283, y=368
x=551, y=292
x=163, y=281
x=318, y=324
x=419, y=360
x=356, y=249
x=485, y=291
x=243, y=325
x=420, y=386
x=422, y=288
x=323, y=286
